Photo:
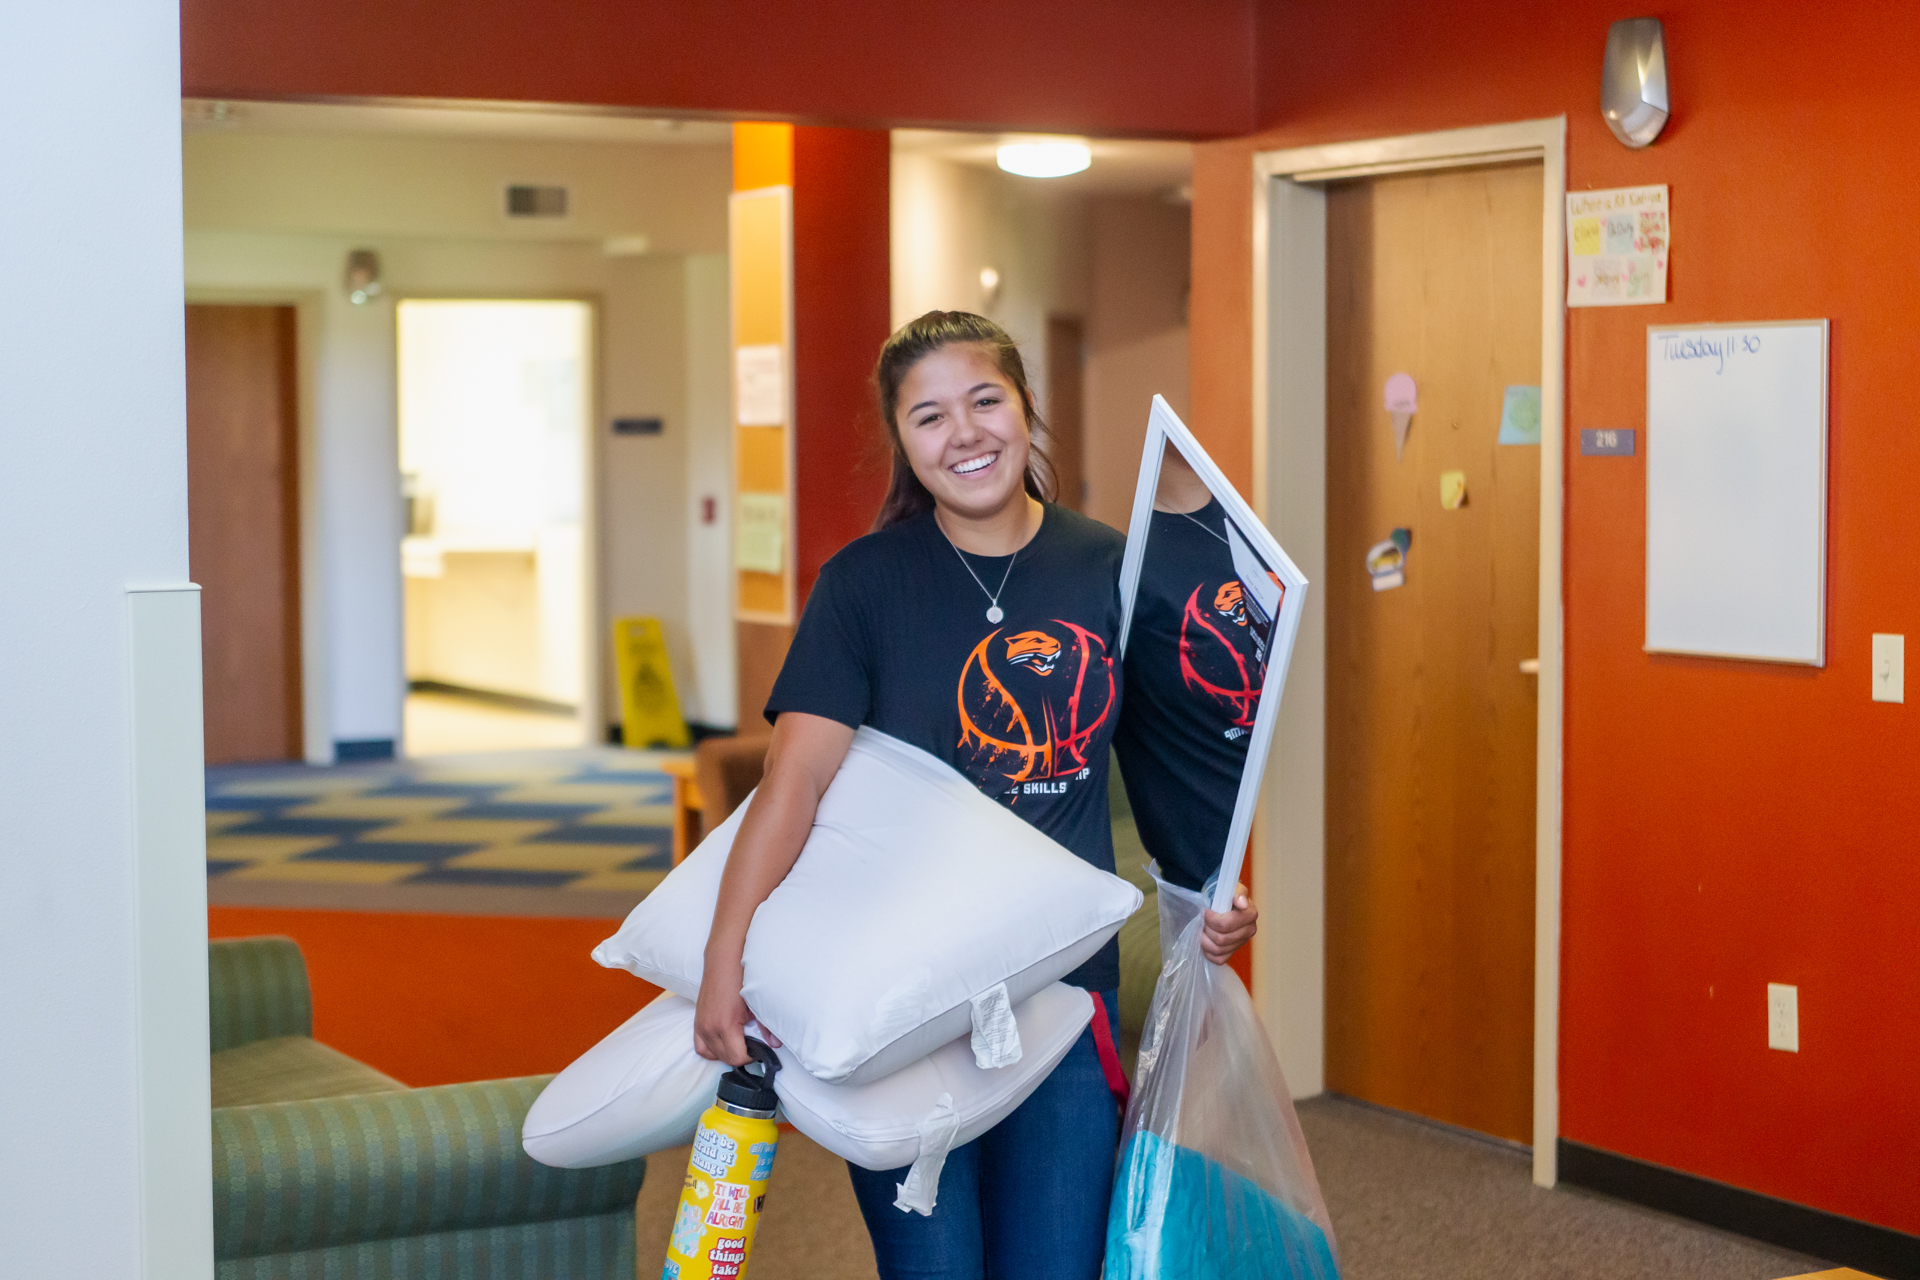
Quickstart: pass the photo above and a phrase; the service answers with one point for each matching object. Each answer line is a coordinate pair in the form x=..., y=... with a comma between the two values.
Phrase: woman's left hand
x=1224, y=932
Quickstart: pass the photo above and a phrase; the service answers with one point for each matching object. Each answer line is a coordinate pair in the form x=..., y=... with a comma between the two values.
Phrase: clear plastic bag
x=1214, y=1177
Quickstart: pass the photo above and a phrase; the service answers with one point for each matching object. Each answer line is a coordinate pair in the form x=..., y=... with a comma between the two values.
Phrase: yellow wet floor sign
x=649, y=707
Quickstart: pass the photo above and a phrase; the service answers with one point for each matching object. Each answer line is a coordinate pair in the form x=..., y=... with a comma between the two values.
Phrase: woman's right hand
x=802, y=758
x=721, y=1016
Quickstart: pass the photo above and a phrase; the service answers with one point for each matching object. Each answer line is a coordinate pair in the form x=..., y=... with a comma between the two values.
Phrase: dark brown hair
x=910, y=344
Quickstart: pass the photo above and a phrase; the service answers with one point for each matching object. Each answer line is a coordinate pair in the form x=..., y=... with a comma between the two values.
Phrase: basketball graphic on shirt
x=1223, y=653
x=1032, y=704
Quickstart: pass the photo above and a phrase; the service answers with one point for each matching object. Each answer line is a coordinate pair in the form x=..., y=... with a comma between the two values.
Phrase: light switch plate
x=1889, y=668
x=1783, y=1017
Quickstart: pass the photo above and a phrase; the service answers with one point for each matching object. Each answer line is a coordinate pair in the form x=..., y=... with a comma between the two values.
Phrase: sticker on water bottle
x=726, y=1257
x=729, y=1208
x=713, y=1152
x=686, y=1232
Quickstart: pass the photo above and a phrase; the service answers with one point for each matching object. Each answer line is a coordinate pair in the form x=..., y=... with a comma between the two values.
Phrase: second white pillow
x=919, y=911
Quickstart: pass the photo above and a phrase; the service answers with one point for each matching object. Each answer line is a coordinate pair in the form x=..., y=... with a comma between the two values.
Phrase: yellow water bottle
x=727, y=1176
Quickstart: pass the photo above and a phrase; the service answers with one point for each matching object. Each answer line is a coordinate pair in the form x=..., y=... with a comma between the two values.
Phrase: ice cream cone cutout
x=1402, y=403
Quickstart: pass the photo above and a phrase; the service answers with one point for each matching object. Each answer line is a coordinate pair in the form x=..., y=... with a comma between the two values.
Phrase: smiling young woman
x=976, y=622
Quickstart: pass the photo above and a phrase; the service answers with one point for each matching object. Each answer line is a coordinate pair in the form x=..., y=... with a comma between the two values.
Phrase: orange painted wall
x=1138, y=67
x=439, y=999
x=1726, y=824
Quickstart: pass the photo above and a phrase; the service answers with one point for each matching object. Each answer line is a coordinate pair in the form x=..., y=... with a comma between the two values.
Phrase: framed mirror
x=1210, y=609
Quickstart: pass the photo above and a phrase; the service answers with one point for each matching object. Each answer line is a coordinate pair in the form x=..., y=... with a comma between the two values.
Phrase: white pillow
x=642, y=1090
x=638, y=1091
x=919, y=908
x=921, y=1112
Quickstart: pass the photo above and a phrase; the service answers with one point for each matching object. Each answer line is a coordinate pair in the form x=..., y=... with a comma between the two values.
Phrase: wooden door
x=1430, y=718
x=243, y=541
x=1066, y=399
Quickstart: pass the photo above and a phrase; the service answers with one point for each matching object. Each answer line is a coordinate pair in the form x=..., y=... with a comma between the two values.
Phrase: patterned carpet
x=584, y=828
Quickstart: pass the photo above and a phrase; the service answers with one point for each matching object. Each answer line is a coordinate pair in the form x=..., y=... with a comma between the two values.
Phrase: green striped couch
x=323, y=1167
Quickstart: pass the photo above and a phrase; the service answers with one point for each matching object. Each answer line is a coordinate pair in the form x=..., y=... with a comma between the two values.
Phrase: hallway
x=1410, y=1201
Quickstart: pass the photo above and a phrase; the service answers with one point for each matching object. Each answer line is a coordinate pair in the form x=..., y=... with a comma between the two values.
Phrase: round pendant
x=994, y=614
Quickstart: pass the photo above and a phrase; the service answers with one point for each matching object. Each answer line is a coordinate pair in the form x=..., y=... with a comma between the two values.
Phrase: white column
x=93, y=502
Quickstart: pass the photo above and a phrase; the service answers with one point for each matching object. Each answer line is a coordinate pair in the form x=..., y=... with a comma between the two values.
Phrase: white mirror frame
x=1163, y=428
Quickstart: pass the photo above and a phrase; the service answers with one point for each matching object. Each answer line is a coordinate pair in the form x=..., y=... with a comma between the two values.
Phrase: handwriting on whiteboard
x=1719, y=347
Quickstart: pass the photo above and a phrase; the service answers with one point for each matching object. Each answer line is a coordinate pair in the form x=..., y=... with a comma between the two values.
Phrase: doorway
x=1291, y=401
x=243, y=510
x=1431, y=703
x=1066, y=357
x=494, y=405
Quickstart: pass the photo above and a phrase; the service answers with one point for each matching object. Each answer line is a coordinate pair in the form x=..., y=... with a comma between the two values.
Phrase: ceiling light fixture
x=1045, y=157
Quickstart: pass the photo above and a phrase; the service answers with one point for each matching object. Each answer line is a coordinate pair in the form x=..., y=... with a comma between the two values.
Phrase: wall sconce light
x=1633, y=82
x=363, y=277
x=989, y=286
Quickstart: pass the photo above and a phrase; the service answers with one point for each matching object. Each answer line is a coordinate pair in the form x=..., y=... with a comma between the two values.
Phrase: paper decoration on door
x=1453, y=490
x=1387, y=561
x=760, y=386
x=1403, y=401
x=1617, y=243
x=760, y=538
x=1520, y=416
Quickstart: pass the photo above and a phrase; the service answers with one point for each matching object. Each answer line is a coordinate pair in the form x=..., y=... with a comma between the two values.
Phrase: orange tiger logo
x=1035, y=650
x=1231, y=602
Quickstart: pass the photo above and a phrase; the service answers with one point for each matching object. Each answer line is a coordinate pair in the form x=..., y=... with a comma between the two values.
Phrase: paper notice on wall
x=760, y=386
x=760, y=535
x=1617, y=243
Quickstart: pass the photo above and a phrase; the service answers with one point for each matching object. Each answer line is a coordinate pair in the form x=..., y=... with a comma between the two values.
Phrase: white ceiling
x=1120, y=167
x=451, y=119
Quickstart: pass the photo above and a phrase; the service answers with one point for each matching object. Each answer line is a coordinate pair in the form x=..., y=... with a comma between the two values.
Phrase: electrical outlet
x=1783, y=1017
x=1889, y=668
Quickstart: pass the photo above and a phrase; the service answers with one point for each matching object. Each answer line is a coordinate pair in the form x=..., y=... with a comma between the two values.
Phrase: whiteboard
x=1737, y=490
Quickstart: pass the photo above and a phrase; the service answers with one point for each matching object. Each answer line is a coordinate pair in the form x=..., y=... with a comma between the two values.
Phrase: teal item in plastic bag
x=1215, y=1181
x=1178, y=1215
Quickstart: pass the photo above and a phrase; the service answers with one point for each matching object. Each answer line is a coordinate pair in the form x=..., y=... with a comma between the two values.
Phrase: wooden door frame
x=1290, y=491
x=316, y=718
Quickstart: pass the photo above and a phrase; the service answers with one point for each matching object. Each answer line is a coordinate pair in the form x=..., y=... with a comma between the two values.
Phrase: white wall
x=92, y=498
x=1136, y=339
x=950, y=219
x=710, y=475
x=1119, y=262
x=275, y=215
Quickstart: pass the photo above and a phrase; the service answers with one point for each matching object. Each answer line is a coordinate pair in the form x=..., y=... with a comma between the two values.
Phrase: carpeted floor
x=432, y=999
x=1410, y=1201
x=582, y=832
x=1413, y=1201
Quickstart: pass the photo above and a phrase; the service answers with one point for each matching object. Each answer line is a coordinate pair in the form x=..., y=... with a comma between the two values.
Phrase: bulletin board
x=1737, y=490
x=760, y=269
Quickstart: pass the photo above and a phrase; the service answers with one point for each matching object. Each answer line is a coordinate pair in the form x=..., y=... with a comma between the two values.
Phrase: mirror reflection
x=1196, y=660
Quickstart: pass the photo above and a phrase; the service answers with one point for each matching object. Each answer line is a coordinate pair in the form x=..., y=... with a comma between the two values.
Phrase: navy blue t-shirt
x=895, y=635
x=1196, y=662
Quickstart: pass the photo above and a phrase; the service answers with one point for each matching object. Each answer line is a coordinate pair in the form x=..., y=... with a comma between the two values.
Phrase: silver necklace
x=994, y=613
x=1209, y=531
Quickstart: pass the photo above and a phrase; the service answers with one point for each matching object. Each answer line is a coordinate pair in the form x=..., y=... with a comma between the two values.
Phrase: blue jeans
x=1027, y=1200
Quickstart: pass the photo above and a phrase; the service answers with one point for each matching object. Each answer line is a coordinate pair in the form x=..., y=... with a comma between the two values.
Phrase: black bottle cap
x=746, y=1090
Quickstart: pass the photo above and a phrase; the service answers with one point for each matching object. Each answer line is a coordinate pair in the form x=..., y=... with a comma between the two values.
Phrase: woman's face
x=964, y=430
